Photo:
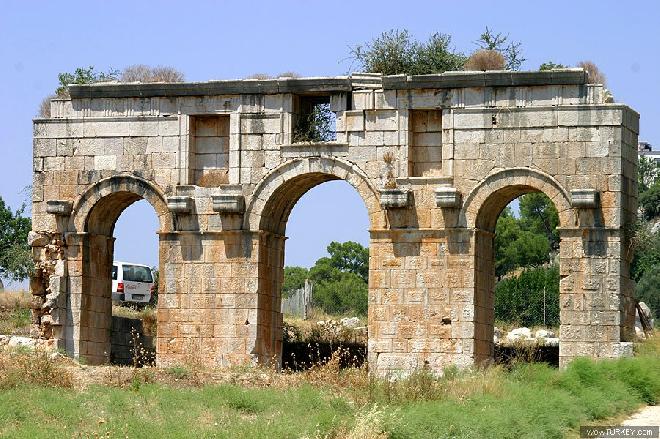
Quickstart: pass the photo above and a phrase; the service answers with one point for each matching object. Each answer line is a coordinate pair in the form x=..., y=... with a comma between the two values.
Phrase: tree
x=649, y=201
x=294, y=279
x=526, y=241
x=350, y=257
x=539, y=215
x=15, y=254
x=648, y=173
x=395, y=52
x=648, y=289
x=347, y=293
x=510, y=50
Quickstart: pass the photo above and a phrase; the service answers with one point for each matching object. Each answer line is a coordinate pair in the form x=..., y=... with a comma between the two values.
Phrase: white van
x=132, y=282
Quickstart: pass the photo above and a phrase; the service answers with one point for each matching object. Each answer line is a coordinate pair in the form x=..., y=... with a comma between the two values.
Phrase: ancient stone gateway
x=217, y=162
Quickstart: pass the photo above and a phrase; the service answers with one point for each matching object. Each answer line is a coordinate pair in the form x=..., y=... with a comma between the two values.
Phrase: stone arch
x=267, y=214
x=484, y=203
x=479, y=214
x=277, y=193
x=98, y=208
x=90, y=254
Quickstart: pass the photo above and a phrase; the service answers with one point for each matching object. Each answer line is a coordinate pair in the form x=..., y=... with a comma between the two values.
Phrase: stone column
x=593, y=306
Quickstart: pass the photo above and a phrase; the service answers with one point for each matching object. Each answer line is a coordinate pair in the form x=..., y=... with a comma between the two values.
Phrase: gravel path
x=647, y=416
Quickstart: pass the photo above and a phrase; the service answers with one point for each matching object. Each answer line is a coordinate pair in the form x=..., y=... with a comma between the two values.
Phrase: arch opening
x=517, y=273
x=114, y=302
x=273, y=218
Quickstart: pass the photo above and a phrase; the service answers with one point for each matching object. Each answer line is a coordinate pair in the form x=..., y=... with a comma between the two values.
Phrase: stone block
x=228, y=203
x=584, y=198
x=59, y=207
x=180, y=204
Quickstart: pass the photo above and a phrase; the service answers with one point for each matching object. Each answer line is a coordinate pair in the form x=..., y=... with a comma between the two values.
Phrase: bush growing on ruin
x=317, y=126
x=83, y=75
x=260, y=76
x=549, y=65
x=485, y=60
x=595, y=75
x=510, y=50
x=395, y=52
x=144, y=73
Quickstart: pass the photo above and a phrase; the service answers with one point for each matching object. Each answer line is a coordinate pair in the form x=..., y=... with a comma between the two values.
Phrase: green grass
x=528, y=401
x=224, y=411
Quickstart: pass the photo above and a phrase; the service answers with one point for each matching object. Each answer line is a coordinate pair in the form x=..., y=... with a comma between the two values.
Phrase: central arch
x=479, y=214
x=267, y=214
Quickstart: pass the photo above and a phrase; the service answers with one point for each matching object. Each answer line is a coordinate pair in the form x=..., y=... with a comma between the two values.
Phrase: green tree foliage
x=539, y=215
x=647, y=252
x=294, y=279
x=396, y=52
x=15, y=255
x=648, y=174
x=649, y=201
x=529, y=240
x=351, y=257
x=520, y=299
x=648, y=289
x=551, y=65
x=317, y=126
x=83, y=75
x=340, y=280
x=345, y=293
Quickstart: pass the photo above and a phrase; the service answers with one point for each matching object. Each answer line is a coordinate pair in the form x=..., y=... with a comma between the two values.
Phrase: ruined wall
x=217, y=163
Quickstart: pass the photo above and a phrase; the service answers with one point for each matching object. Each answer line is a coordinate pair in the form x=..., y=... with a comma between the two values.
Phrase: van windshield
x=136, y=273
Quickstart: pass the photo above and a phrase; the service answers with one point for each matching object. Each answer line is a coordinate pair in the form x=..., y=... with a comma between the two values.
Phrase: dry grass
x=20, y=367
x=146, y=314
x=483, y=60
x=144, y=73
x=595, y=75
x=44, y=106
x=15, y=315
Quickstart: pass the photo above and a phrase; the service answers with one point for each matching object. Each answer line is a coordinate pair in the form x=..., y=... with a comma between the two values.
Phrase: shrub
x=523, y=299
x=317, y=126
x=44, y=106
x=395, y=52
x=485, y=60
x=551, y=65
x=83, y=75
x=144, y=73
x=260, y=76
x=347, y=294
x=595, y=75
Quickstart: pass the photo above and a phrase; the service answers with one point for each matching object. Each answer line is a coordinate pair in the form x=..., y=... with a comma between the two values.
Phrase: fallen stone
x=16, y=341
x=518, y=334
x=544, y=333
x=550, y=341
x=350, y=322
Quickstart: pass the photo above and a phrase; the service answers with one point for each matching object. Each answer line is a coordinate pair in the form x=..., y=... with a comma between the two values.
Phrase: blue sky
x=218, y=40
